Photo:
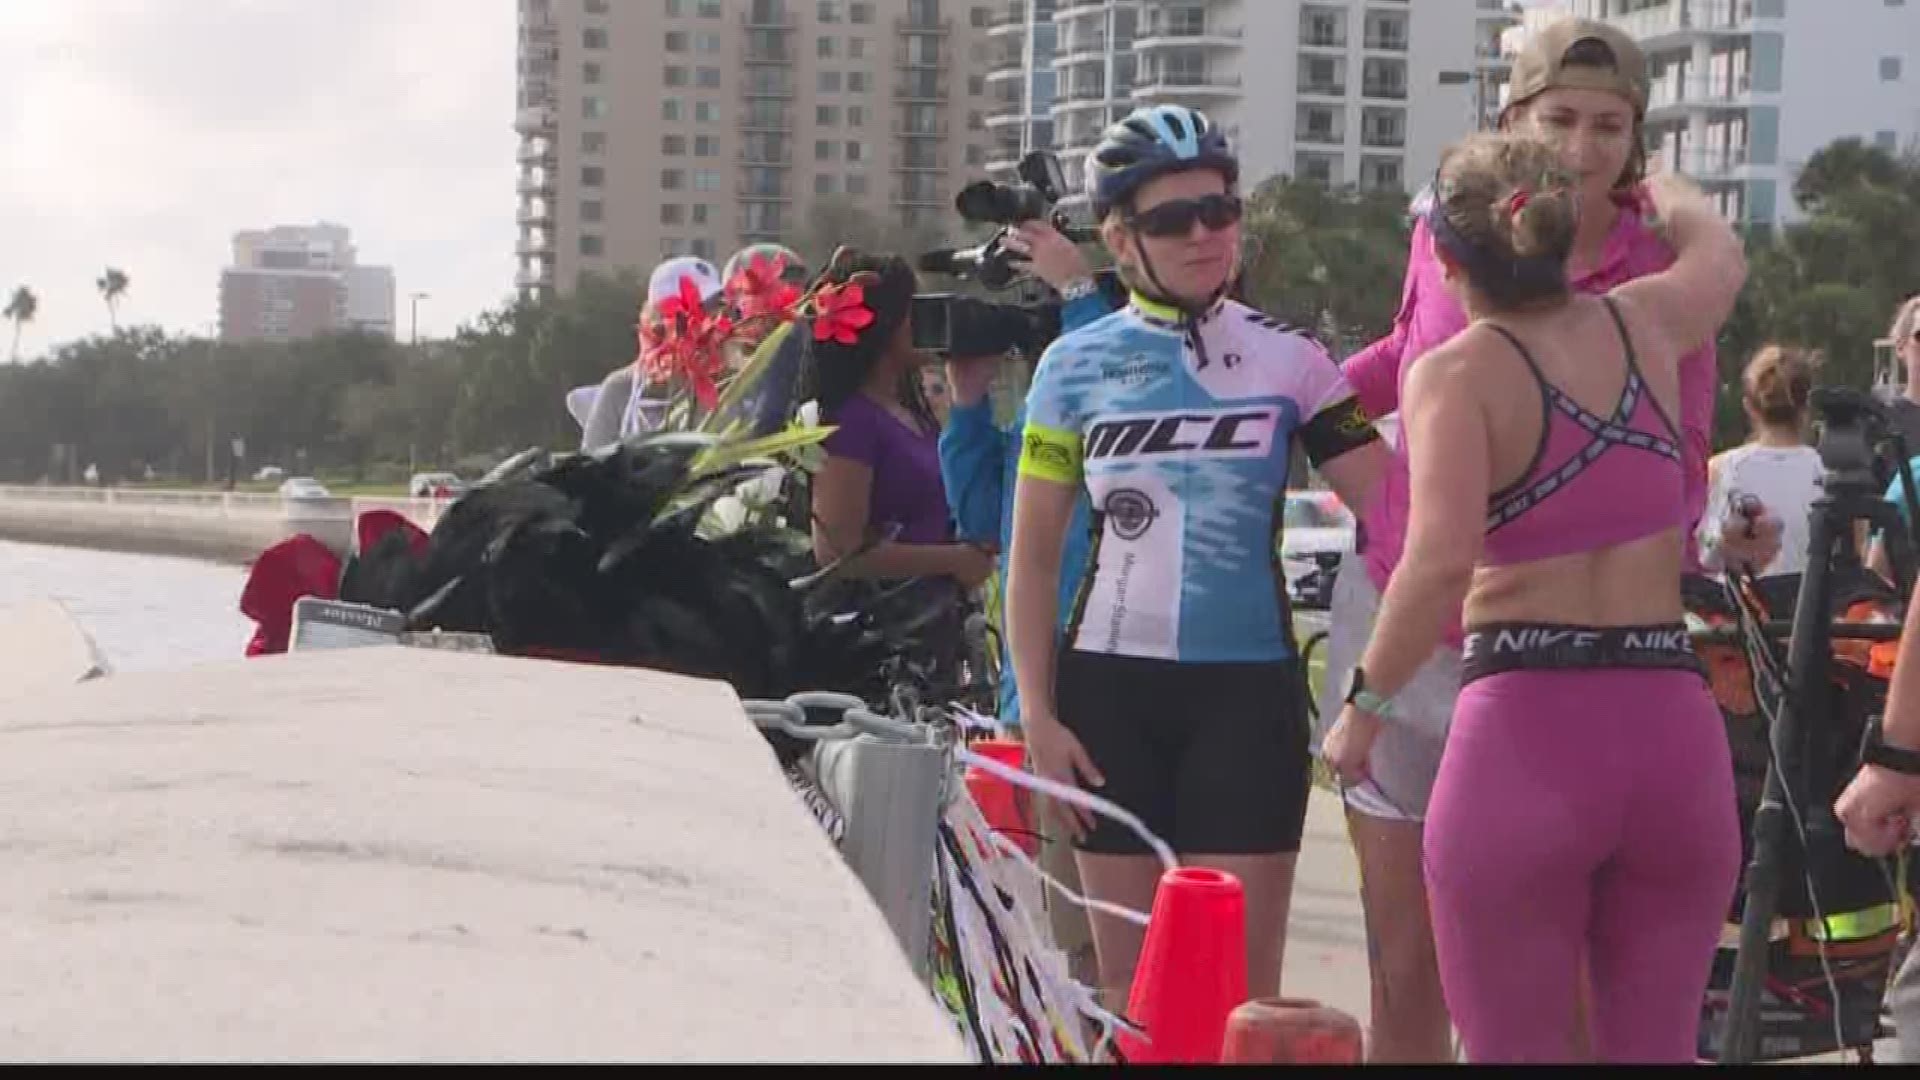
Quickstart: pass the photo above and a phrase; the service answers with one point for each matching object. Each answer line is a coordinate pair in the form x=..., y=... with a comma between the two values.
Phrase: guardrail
x=223, y=504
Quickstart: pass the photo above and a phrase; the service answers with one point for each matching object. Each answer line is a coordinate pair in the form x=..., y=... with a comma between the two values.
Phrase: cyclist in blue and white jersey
x=1177, y=693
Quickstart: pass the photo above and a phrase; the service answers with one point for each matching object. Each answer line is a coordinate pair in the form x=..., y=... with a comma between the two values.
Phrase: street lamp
x=415, y=298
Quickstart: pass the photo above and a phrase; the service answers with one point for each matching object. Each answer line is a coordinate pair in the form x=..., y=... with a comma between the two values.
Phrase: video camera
x=1006, y=205
x=952, y=324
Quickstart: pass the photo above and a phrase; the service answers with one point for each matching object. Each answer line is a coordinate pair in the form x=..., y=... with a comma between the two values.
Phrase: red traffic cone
x=1193, y=968
x=1291, y=1031
x=1003, y=803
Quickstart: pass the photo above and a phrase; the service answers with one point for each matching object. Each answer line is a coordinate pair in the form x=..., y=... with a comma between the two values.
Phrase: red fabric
x=295, y=567
x=371, y=525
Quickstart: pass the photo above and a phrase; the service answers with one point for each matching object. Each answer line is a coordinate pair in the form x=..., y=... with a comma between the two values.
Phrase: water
x=145, y=612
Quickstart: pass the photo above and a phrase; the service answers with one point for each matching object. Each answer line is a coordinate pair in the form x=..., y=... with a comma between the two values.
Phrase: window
x=596, y=7
x=706, y=42
x=1889, y=69
x=676, y=41
x=824, y=48
x=593, y=107
x=826, y=115
x=859, y=13
x=592, y=176
x=823, y=150
x=676, y=75
x=673, y=145
x=856, y=184
x=674, y=9
x=923, y=12
x=975, y=122
x=1887, y=140
x=593, y=142
x=704, y=112
x=980, y=17
x=670, y=247
x=923, y=49
x=976, y=85
x=590, y=72
x=700, y=213
x=592, y=246
x=706, y=180
x=856, y=116
x=853, y=150
x=829, y=81
x=670, y=108
x=706, y=146
x=709, y=77
x=702, y=247
x=709, y=9
x=823, y=183
x=592, y=210
x=672, y=213
x=829, y=11
x=593, y=37
x=673, y=179
x=975, y=154
x=857, y=82
x=857, y=48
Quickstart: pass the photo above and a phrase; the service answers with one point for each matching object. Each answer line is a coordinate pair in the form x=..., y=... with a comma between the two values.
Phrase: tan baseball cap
x=1542, y=63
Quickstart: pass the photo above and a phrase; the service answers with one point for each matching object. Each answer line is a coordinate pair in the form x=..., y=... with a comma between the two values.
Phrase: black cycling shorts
x=1212, y=757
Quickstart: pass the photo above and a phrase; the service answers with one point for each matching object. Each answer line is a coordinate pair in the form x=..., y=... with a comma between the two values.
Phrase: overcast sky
x=143, y=133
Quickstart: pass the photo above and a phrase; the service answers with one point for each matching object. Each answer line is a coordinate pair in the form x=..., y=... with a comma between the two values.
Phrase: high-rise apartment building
x=295, y=281
x=1745, y=91
x=1361, y=92
x=652, y=128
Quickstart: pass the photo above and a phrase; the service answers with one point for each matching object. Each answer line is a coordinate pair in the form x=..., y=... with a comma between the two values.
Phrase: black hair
x=838, y=371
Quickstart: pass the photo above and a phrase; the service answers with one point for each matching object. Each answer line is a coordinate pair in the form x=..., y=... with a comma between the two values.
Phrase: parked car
x=435, y=485
x=1316, y=523
x=303, y=487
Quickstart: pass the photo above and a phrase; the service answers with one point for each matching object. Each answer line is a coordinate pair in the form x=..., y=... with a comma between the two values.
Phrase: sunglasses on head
x=1175, y=217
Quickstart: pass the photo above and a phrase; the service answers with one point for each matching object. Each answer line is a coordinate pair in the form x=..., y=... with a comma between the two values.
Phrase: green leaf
x=730, y=454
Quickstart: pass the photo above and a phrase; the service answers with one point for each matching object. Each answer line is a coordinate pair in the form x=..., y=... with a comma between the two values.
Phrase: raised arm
x=1690, y=300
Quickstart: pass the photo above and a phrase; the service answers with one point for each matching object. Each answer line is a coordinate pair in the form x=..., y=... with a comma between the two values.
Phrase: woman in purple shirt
x=882, y=471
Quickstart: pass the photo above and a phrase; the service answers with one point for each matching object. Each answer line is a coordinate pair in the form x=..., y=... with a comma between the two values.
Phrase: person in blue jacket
x=978, y=457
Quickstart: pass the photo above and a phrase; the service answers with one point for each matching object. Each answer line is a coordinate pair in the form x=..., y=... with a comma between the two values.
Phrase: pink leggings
x=1581, y=813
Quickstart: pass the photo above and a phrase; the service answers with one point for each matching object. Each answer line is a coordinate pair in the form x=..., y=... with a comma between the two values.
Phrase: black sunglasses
x=1175, y=217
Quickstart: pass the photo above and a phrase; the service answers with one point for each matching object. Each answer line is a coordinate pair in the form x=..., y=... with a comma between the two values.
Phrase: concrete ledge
x=398, y=854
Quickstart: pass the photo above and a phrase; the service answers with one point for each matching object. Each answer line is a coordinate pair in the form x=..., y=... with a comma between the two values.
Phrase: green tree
x=22, y=306
x=113, y=286
x=1328, y=259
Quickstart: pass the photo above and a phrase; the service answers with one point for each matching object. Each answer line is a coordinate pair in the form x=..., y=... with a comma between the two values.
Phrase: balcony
x=1086, y=49
x=1316, y=88
x=1008, y=70
x=1183, y=87
x=531, y=215
x=906, y=25
x=1000, y=168
x=1005, y=118
x=937, y=131
x=538, y=152
x=1320, y=137
x=530, y=186
x=1007, y=25
x=1383, y=140
x=767, y=123
x=768, y=57
x=1680, y=21
x=775, y=91
x=1386, y=91
x=1673, y=96
x=533, y=245
x=777, y=20
x=1714, y=164
x=1166, y=37
x=1078, y=9
x=540, y=35
x=529, y=279
x=1386, y=43
x=928, y=93
x=917, y=165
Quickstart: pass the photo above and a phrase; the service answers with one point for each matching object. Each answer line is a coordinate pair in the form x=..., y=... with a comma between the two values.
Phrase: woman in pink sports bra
x=1584, y=806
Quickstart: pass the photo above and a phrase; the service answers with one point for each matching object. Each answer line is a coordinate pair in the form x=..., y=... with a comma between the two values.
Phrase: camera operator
x=978, y=462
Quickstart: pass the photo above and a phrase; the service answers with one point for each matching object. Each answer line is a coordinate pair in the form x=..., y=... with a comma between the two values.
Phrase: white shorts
x=1406, y=755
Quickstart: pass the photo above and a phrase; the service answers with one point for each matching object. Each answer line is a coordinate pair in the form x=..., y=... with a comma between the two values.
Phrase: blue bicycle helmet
x=1150, y=142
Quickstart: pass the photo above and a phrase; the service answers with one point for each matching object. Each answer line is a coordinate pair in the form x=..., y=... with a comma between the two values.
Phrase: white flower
x=762, y=489
x=729, y=513
x=809, y=414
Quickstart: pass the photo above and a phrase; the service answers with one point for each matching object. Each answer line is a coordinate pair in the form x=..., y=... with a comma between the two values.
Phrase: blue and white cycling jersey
x=1181, y=431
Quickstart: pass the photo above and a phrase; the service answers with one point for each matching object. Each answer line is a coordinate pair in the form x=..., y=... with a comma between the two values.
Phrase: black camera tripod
x=1853, y=430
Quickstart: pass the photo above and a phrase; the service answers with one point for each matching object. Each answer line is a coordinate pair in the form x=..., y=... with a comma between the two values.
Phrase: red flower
x=840, y=313
x=682, y=341
x=757, y=288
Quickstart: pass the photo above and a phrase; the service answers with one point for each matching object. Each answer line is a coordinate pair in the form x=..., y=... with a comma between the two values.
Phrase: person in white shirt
x=619, y=406
x=1774, y=469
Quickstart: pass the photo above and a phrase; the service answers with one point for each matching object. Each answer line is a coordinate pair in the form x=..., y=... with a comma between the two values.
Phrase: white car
x=303, y=487
x=1315, y=522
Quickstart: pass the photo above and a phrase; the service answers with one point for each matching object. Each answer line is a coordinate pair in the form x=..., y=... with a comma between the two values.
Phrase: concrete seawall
x=219, y=526
x=399, y=854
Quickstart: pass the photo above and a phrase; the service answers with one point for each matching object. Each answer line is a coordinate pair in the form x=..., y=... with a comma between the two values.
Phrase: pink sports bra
x=1595, y=481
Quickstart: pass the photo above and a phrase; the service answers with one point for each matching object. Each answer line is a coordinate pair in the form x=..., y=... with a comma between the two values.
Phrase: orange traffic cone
x=1193, y=968
x=1291, y=1031
x=1001, y=802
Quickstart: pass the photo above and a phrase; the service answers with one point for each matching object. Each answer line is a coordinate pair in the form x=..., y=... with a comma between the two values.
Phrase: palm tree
x=112, y=286
x=21, y=309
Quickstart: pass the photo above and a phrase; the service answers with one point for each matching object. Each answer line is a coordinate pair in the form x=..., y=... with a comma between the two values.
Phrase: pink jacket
x=1429, y=316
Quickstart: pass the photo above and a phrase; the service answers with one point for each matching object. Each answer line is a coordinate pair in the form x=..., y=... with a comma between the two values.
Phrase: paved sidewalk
x=1326, y=936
